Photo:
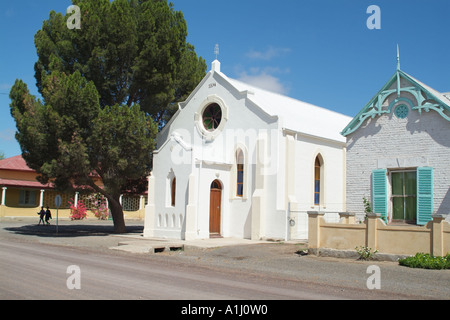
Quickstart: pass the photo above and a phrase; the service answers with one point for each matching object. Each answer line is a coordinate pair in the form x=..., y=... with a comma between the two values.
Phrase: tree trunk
x=117, y=215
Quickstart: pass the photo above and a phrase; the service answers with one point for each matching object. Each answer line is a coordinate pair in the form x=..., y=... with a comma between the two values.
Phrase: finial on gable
x=216, y=50
x=398, y=73
x=215, y=66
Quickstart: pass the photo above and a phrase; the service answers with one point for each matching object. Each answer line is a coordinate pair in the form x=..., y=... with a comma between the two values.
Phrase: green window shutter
x=379, y=192
x=424, y=195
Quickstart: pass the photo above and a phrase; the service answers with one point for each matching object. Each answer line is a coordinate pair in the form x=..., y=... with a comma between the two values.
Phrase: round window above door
x=211, y=117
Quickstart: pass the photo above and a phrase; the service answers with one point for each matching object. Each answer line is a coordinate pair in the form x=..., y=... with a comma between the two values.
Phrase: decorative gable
x=401, y=94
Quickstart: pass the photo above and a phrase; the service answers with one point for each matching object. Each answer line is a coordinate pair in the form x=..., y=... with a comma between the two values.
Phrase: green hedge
x=426, y=261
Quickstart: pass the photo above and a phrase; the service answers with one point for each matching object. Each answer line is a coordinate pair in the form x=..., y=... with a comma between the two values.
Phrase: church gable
x=401, y=95
x=230, y=104
x=215, y=106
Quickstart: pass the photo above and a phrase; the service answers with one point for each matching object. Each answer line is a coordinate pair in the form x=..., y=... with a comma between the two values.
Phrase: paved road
x=32, y=271
x=34, y=265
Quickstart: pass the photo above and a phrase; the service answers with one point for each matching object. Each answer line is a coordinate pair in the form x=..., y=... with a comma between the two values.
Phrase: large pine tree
x=106, y=88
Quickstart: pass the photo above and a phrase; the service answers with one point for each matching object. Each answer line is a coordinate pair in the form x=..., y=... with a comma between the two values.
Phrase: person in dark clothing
x=48, y=215
x=41, y=216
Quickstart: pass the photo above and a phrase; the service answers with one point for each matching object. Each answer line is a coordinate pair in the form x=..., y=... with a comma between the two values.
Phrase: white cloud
x=265, y=81
x=268, y=54
x=266, y=77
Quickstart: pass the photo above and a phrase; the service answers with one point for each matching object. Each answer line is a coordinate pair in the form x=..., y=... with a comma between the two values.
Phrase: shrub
x=365, y=253
x=98, y=206
x=78, y=212
x=101, y=212
x=367, y=206
x=426, y=261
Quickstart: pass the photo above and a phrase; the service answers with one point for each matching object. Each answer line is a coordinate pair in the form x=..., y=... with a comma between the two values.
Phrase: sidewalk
x=100, y=233
x=139, y=244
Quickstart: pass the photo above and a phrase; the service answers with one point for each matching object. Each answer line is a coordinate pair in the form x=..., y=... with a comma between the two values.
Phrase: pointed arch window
x=318, y=181
x=240, y=174
x=173, y=188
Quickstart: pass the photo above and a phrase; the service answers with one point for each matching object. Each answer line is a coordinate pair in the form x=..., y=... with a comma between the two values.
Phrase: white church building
x=240, y=161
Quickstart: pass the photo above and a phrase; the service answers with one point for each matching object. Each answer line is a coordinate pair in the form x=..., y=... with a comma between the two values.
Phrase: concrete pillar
x=141, y=198
x=371, y=234
x=4, y=196
x=75, y=202
x=259, y=196
x=290, y=170
x=149, y=219
x=191, y=210
x=437, y=234
x=41, y=198
x=315, y=218
x=347, y=217
x=290, y=198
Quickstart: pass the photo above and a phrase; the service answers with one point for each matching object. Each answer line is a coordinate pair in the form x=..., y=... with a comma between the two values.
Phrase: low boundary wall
x=433, y=238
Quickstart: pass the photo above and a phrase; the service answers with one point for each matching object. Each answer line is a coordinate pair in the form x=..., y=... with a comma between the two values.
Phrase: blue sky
x=318, y=51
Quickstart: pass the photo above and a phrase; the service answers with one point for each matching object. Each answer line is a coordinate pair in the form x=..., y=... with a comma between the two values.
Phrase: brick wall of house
x=389, y=142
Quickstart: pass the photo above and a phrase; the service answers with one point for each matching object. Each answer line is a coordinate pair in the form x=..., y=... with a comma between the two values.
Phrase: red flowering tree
x=78, y=212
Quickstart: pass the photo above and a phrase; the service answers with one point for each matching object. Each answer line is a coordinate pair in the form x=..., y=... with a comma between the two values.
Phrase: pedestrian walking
x=41, y=216
x=48, y=215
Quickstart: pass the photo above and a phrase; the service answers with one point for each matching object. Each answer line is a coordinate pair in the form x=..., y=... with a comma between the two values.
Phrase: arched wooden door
x=215, y=204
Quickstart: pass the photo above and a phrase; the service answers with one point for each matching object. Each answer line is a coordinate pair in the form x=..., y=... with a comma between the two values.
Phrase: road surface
x=37, y=271
x=38, y=265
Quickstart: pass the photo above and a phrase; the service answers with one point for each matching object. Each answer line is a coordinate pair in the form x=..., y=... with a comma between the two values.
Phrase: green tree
x=69, y=140
x=106, y=88
x=135, y=51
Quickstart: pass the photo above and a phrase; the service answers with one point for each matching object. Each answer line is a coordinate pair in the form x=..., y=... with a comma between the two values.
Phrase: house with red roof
x=22, y=195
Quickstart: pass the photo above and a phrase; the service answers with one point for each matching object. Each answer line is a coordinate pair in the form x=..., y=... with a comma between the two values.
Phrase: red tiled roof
x=17, y=163
x=23, y=183
x=14, y=163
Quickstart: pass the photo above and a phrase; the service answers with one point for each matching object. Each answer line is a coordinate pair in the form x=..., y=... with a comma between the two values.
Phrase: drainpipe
x=288, y=220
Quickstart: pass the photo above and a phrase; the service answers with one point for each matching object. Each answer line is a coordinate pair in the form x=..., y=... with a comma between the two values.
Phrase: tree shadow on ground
x=76, y=230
